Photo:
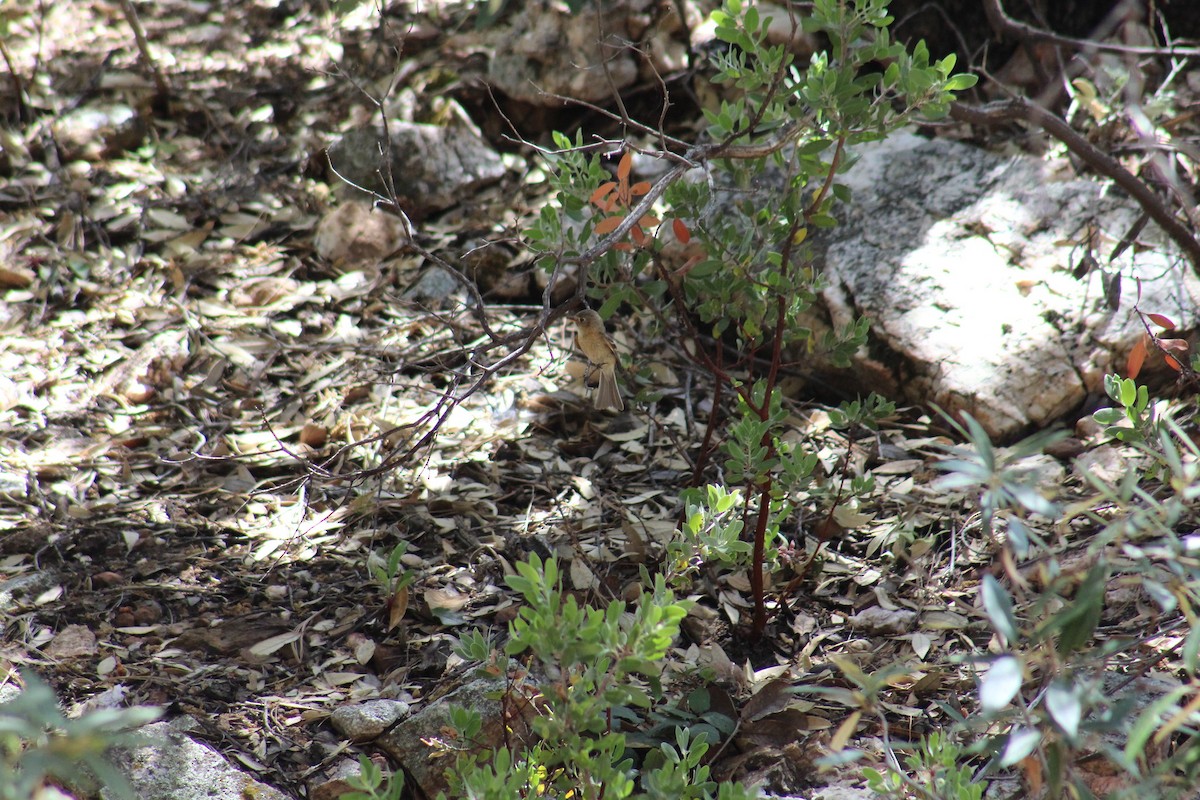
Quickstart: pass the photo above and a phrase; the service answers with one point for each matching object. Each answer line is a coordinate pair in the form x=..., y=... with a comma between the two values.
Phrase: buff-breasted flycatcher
x=601, y=353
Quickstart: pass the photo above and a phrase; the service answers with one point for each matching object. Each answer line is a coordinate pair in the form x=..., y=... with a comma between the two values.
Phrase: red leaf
x=602, y=192
x=608, y=225
x=1163, y=322
x=681, y=231
x=1173, y=364
x=1137, y=357
x=625, y=166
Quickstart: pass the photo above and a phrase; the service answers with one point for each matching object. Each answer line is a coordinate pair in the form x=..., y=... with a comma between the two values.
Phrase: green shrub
x=602, y=669
x=40, y=745
x=751, y=281
x=1052, y=696
x=751, y=284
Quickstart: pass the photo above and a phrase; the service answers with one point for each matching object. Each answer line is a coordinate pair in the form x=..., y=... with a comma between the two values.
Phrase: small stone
x=72, y=641
x=365, y=721
x=106, y=579
x=92, y=133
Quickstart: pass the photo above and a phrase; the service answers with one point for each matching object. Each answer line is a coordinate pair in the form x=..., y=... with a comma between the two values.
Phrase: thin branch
x=139, y=33
x=18, y=89
x=1005, y=25
x=631, y=123
x=1021, y=109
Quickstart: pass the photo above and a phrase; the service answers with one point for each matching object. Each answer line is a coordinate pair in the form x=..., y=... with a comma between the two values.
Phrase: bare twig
x=18, y=88
x=139, y=33
x=1147, y=133
x=1007, y=26
x=1021, y=109
x=632, y=124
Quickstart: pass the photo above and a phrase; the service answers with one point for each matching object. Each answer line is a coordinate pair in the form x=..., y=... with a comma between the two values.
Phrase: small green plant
x=1135, y=420
x=866, y=413
x=1146, y=426
x=38, y=744
x=370, y=783
x=1008, y=487
x=602, y=669
x=1051, y=698
x=393, y=580
x=387, y=572
x=937, y=774
x=711, y=534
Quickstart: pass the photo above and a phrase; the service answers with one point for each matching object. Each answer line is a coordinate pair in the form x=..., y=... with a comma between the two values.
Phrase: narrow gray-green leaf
x=1021, y=742
x=999, y=608
x=1001, y=683
x=1062, y=701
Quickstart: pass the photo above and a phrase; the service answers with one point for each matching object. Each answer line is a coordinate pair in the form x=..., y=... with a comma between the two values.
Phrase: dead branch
x=18, y=88
x=1005, y=25
x=139, y=33
x=1022, y=109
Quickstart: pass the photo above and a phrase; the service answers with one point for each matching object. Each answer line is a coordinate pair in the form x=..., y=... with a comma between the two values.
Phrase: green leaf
x=814, y=146
x=1018, y=537
x=962, y=81
x=962, y=473
x=1150, y=719
x=1078, y=620
x=999, y=608
x=751, y=19
x=1064, y=706
x=1191, y=647
x=1021, y=742
x=1128, y=392
x=1001, y=683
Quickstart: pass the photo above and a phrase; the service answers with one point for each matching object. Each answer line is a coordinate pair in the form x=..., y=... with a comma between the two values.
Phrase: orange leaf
x=625, y=166
x=1163, y=322
x=681, y=231
x=1034, y=779
x=640, y=188
x=624, y=247
x=1137, y=356
x=608, y=225
x=638, y=237
x=397, y=604
x=1173, y=364
x=687, y=265
x=602, y=192
x=648, y=221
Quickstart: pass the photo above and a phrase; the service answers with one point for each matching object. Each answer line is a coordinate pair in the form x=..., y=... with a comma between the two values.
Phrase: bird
x=601, y=353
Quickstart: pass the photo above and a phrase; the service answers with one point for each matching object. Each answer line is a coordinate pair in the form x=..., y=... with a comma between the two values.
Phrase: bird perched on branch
x=601, y=354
